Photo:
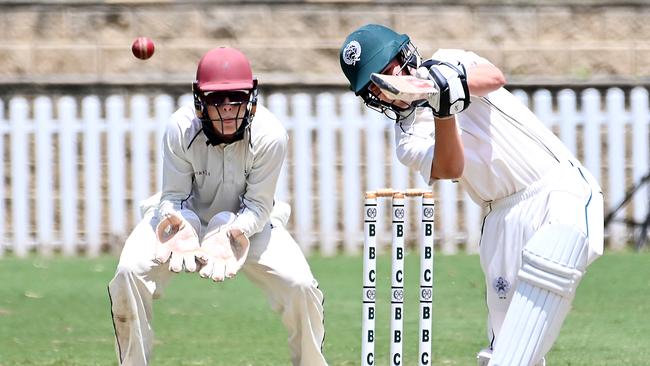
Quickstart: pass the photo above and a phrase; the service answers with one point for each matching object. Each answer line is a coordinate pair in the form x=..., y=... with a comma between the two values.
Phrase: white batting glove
x=451, y=81
x=177, y=242
x=224, y=249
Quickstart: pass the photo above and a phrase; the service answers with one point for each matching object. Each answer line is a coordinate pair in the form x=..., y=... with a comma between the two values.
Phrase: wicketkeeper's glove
x=177, y=242
x=451, y=81
x=224, y=248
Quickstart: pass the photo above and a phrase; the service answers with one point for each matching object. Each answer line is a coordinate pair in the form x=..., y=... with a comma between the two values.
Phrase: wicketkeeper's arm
x=178, y=227
x=177, y=170
x=257, y=201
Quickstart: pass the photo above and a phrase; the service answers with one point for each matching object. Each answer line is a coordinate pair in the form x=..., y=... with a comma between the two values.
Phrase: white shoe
x=484, y=356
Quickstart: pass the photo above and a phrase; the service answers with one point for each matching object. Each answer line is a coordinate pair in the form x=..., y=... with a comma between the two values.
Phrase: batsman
x=216, y=215
x=544, y=221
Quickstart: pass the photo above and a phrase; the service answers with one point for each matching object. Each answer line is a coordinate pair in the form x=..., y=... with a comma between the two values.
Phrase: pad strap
x=555, y=259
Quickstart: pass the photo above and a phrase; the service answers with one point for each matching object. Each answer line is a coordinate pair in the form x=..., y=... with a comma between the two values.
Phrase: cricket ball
x=142, y=48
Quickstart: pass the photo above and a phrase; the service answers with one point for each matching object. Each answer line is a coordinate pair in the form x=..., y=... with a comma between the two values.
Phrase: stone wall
x=297, y=42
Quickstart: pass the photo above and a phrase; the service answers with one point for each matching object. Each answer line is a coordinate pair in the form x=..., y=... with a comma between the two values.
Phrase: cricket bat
x=406, y=88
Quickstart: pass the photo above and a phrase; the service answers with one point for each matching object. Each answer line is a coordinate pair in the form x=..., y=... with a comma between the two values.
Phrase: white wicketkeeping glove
x=224, y=248
x=177, y=242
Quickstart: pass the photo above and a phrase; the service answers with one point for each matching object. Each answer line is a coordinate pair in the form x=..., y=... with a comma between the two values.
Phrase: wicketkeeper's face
x=227, y=110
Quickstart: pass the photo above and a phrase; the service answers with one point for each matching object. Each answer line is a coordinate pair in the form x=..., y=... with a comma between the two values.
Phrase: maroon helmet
x=220, y=71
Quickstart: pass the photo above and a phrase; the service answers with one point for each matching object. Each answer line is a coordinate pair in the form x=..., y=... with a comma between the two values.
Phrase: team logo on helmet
x=352, y=53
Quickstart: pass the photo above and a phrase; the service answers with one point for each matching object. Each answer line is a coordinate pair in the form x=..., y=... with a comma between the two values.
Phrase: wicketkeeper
x=544, y=224
x=216, y=215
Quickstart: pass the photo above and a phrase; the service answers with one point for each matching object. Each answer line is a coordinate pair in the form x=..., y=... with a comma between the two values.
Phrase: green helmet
x=367, y=50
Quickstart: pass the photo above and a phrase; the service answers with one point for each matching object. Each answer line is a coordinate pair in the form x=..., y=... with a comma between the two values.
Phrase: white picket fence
x=74, y=169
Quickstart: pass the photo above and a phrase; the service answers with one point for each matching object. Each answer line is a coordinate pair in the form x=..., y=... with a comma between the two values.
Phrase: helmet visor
x=230, y=97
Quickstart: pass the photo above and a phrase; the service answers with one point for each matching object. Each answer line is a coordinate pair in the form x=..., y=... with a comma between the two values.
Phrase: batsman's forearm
x=448, y=156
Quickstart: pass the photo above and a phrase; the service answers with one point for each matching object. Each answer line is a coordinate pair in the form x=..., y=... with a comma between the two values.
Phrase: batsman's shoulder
x=449, y=54
x=457, y=55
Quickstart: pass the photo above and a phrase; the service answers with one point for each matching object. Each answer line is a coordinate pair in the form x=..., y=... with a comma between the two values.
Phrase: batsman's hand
x=177, y=242
x=223, y=253
x=451, y=81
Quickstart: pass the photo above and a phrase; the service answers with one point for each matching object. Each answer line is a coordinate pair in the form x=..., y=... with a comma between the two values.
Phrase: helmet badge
x=352, y=53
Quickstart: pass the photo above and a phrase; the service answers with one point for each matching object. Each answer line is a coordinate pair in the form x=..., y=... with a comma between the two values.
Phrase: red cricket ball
x=142, y=48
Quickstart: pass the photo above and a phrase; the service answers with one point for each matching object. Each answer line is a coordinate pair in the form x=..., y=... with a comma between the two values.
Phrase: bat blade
x=406, y=88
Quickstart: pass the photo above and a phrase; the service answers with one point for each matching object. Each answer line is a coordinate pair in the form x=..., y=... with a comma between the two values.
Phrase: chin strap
x=215, y=138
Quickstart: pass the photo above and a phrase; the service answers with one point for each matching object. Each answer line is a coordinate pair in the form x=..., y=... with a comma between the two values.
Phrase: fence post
x=375, y=152
x=544, y=107
x=375, y=163
x=591, y=131
x=164, y=109
x=447, y=218
x=568, y=119
x=352, y=193
x=522, y=96
x=399, y=172
x=277, y=104
x=92, y=174
x=325, y=105
x=68, y=171
x=43, y=123
x=4, y=129
x=640, y=151
x=140, y=167
x=116, y=167
x=616, y=162
x=302, y=144
x=19, y=177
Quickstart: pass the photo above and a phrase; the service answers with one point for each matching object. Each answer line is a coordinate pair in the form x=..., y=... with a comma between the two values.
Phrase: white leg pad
x=553, y=263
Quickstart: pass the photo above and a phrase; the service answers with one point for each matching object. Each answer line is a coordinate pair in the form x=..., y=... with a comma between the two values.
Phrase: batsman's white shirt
x=239, y=177
x=506, y=147
x=513, y=164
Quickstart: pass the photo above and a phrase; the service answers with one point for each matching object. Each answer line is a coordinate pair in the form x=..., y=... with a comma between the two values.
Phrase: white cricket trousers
x=567, y=195
x=275, y=264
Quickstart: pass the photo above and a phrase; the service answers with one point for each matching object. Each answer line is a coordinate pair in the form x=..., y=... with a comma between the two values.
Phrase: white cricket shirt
x=239, y=177
x=506, y=146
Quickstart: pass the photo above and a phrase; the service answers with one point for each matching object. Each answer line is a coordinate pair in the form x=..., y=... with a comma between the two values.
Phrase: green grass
x=56, y=312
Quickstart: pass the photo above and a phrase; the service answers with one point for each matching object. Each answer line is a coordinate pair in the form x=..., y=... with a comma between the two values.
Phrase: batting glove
x=451, y=81
x=177, y=242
